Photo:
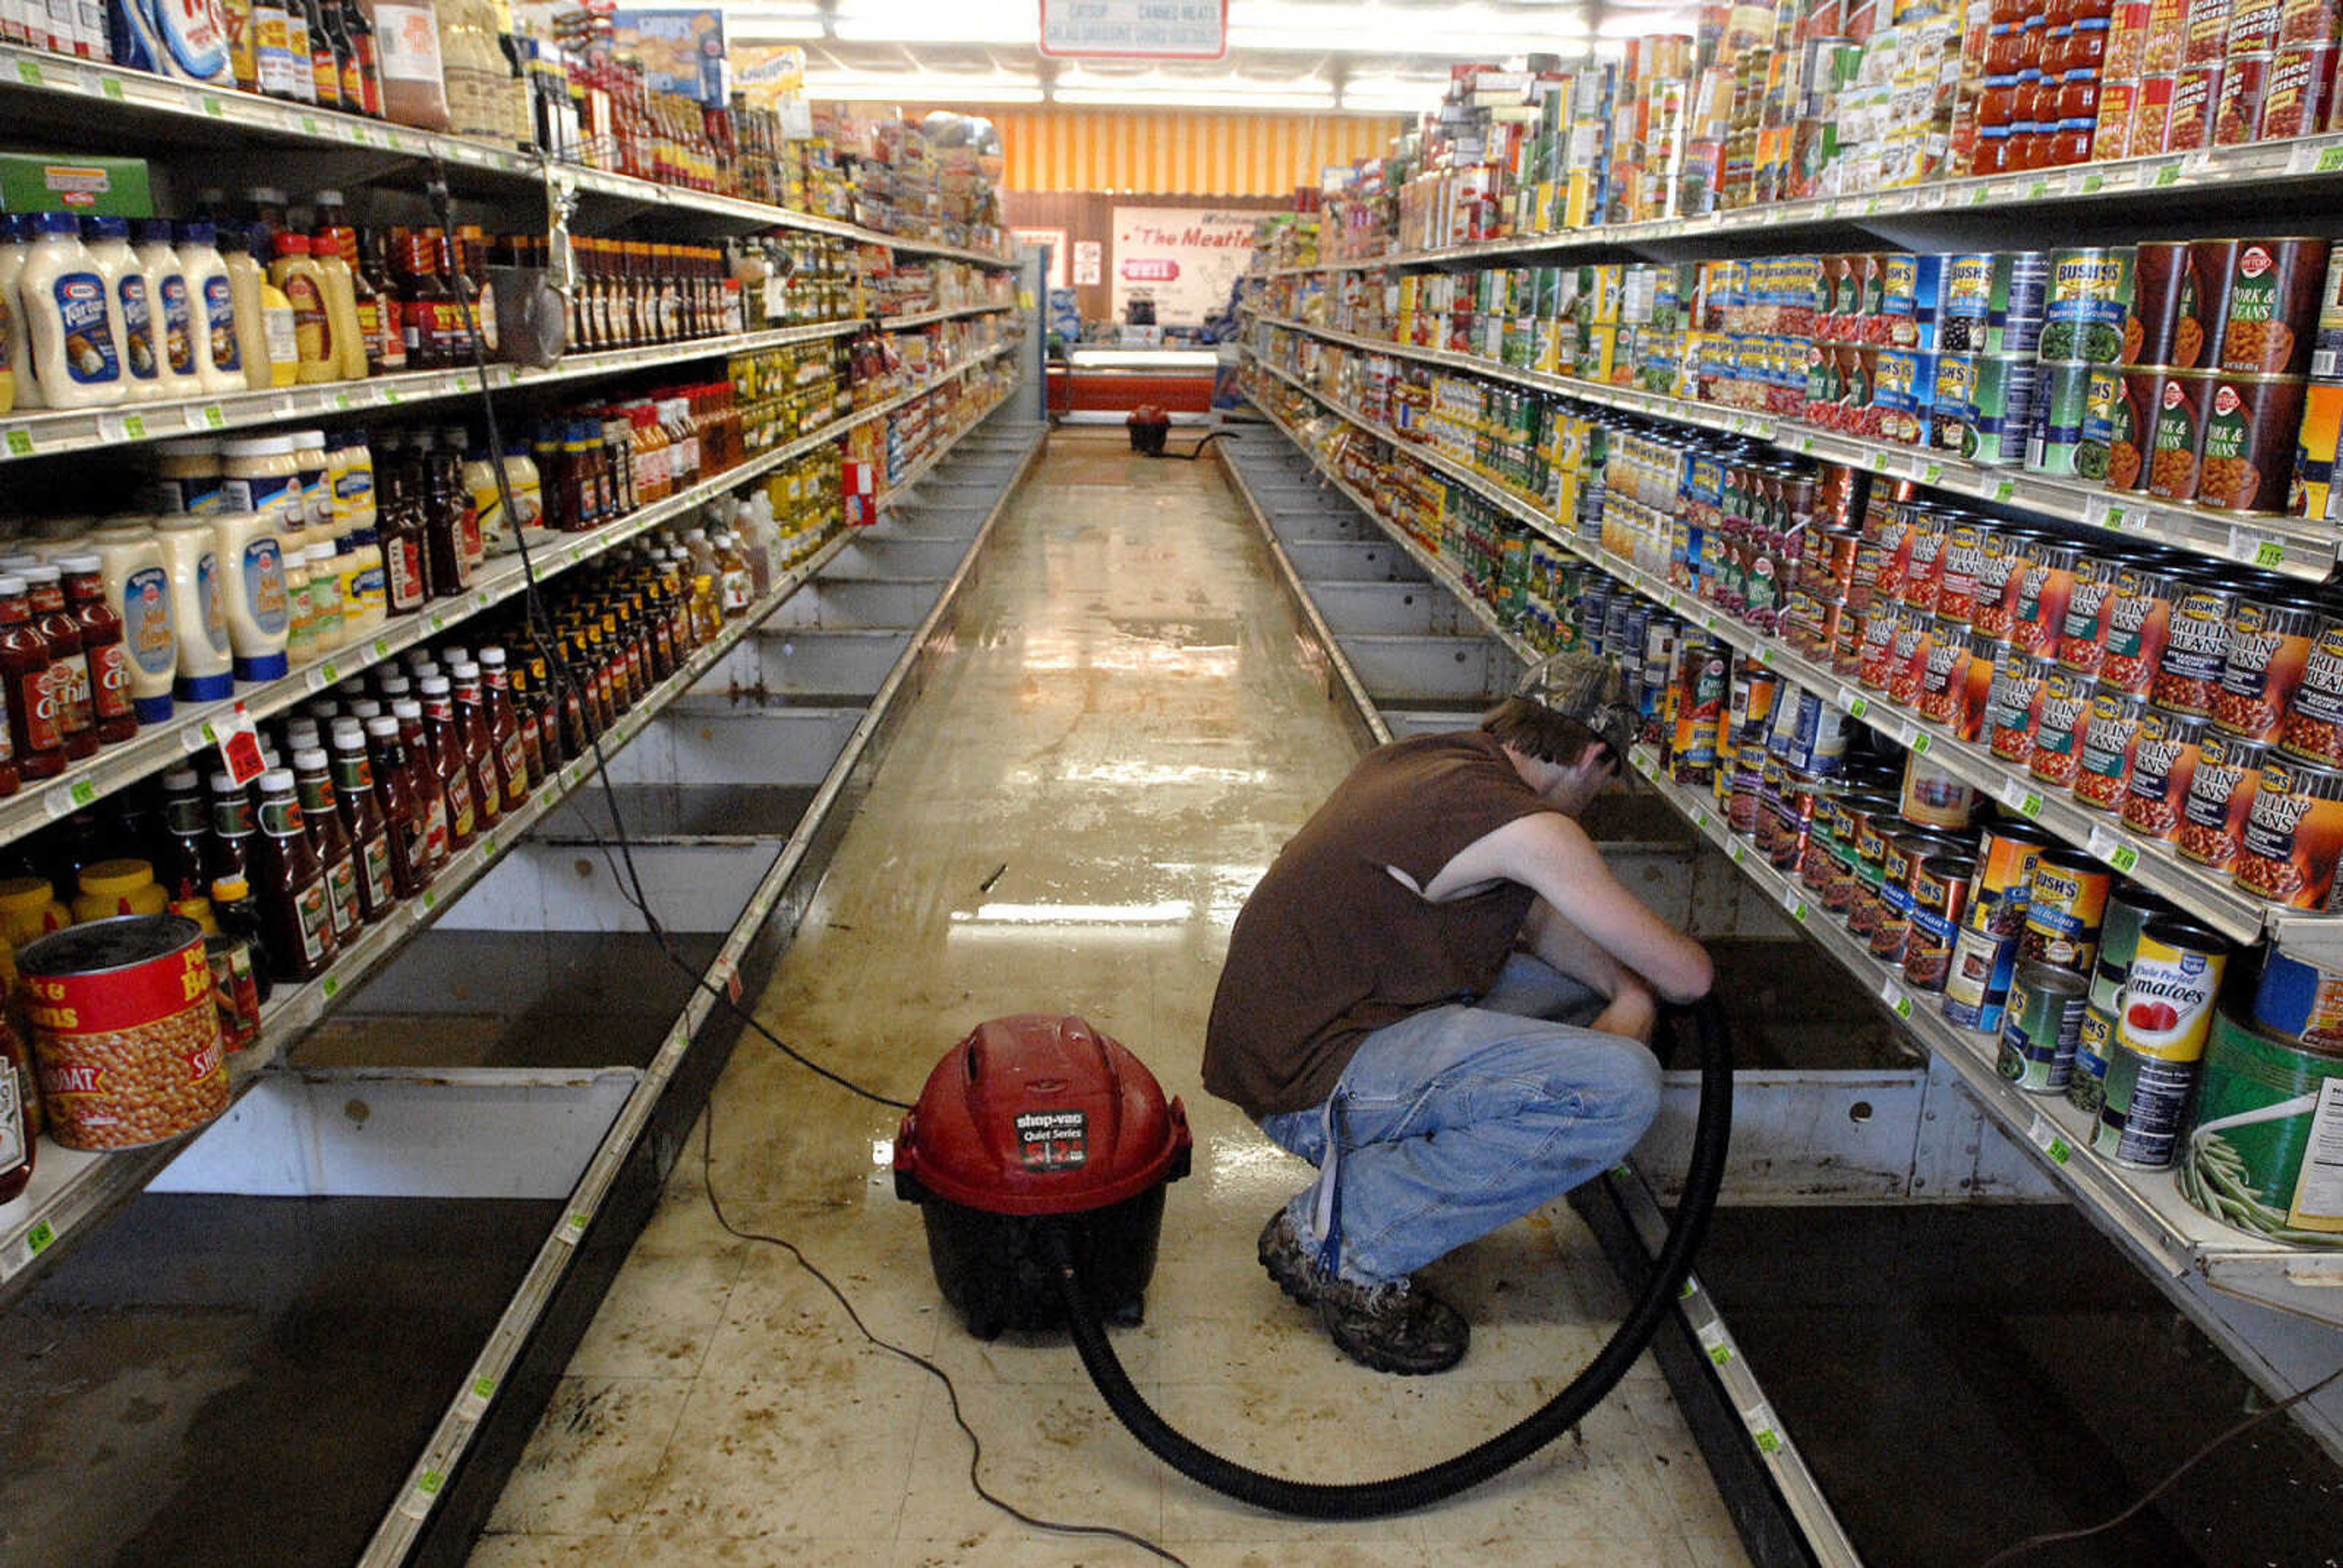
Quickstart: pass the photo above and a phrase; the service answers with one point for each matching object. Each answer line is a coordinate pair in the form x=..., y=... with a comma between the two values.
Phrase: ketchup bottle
x=405, y=817
x=227, y=854
x=330, y=841
x=36, y=746
x=516, y=743
x=452, y=760
x=471, y=720
x=375, y=848
x=290, y=884
x=111, y=714
x=68, y=671
x=507, y=769
x=430, y=786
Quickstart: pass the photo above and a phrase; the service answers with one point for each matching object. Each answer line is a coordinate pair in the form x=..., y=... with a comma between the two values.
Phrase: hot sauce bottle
x=407, y=817
x=376, y=849
x=330, y=840
x=34, y=736
x=295, y=908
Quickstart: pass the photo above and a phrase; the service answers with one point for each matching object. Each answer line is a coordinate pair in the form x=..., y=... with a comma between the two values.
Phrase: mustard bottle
x=296, y=272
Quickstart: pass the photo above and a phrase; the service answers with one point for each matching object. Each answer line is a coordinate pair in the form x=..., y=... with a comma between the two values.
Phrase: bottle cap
x=115, y=879
x=382, y=728
x=309, y=760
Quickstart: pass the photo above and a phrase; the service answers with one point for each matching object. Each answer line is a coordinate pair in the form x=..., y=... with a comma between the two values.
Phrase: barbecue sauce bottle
x=179, y=866
x=295, y=908
x=406, y=819
x=375, y=848
x=330, y=841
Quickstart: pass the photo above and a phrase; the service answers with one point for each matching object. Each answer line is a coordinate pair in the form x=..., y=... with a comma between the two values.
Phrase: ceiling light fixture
x=1185, y=98
x=936, y=21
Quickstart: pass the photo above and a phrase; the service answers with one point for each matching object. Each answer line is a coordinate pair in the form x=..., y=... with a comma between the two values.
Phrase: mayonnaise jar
x=130, y=563
x=264, y=476
x=69, y=318
x=199, y=613
x=190, y=477
x=253, y=591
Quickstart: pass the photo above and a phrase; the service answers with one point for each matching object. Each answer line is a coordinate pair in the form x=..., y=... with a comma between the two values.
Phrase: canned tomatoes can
x=2083, y=633
x=2250, y=428
x=2088, y=296
x=2006, y=853
x=124, y=1031
x=2196, y=649
x=2131, y=427
x=2300, y=1000
x=2164, y=757
x=2167, y=1008
x=1940, y=887
x=2102, y=771
x=2094, y=1039
x=2269, y=648
x=2294, y=835
x=2312, y=729
x=2259, y=1150
x=2142, y=1106
x=1977, y=980
x=2128, y=909
x=2273, y=293
x=2318, y=443
x=2176, y=442
x=2139, y=623
x=2220, y=798
x=2044, y=1019
x=2066, y=902
x=2064, y=699
x=2013, y=706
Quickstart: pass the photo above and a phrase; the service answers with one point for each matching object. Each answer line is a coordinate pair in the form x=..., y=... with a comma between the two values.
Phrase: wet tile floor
x=1068, y=822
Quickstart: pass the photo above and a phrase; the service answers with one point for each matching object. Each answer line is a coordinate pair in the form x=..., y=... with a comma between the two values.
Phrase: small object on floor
x=1398, y=1326
x=1148, y=426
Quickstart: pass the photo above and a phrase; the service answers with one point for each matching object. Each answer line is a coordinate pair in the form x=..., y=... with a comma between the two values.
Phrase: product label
x=317, y=920
x=175, y=325
x=266, y=598
x=147, y=635
x=110, y=676
x=342, y=895
x=214, y=602
x=313, y=337
x=88, y=328
x=376, y=865
x=403, y=561
x=407, y=42
x=70, y=677
x=272, y=31
x=39, y=700
x=137, y=324
x=1054, y=1139
x=277, y=494
x=219, y=323
x=12, y=1120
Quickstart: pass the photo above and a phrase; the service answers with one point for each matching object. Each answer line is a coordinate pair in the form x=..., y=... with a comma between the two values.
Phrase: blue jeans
x=1458, y=1120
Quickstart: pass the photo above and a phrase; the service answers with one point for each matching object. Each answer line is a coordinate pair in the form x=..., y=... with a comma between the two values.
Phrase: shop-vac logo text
x=1054, y=1139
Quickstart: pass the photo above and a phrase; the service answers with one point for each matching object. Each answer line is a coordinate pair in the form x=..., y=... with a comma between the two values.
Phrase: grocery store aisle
x=1069, y=821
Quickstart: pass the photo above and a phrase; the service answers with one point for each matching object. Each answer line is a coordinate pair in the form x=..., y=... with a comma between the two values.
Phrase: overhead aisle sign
x=1136, y=29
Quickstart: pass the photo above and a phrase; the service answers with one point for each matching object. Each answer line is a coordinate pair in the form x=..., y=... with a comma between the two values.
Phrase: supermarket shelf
x=2142, y=1209
x=2155, y=866
x=923, y=318
x=2285, y=545
x=927, y=465
x=423, y=1497
x=37, y=83
x=53, y=434
x=196, y=727
x=2173, y=184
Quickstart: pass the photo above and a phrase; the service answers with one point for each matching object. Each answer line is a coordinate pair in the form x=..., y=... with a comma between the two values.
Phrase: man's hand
x=1633, y=1010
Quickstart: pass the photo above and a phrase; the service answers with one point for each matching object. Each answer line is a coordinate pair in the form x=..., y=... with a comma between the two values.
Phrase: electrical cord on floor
x=952, y=1391
x=2035, y=1543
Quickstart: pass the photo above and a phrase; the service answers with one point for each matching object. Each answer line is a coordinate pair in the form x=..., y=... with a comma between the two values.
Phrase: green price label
x=1859, y=708
x=2005, y=489
x=310, y=126
x=82, y=792
x=430, y=898
x=1920, y=742
x=429, y=1482
x=2031, y=806
x=37, y=1239
x=20, y=442
x=1903, y=1007
x=1687, y=1290
x=2269, y=553
x=1932, y=473
x=215, y=417
x=1768, y=1441
x=328, y=673
x=2125, y=858
x=438, y=623
x=2058, y=1151
x=2330, y=159
x=211, y=736
x=382, y=647
x=111, y=88
x=29, y=73
x=332, y=987
x=1979, y=196
x=2168, y=174
x=1720, y=1354
x=1879, y=462
x=134, y=427
x=1799, y=911
x=213, y=108
x=1734, y=852
x=484, y=1387
x=577, y=1224
x=1699, y=818
x=489, y=845
x=2094, y=183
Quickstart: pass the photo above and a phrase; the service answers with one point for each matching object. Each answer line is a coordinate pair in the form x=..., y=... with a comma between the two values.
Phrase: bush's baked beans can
x=1879, y=656
x=2067, y=899
x=2065, y=700
x=2128, y=909
x=2300, y=1000
x=2095, y=1038
x=2000, y=571
x=124, y=1031
x=1943, y=678
x=1872, y=830
x=2294, y=835
x=2044, y=1020
x=2164, y=756
x=2161, y=283
x=2015, y=704
x=2196, y=649
x=2313, y=727
x=2178, y=443
x=2311, y=491
x=1964, y=554
x=2062, y=426
x=1908, y=664
x=1815, y=861
x=2251, y=425
x=1996, y=900
x=1976, y=979
x=2269, y=648
x=1940, y=887
x=1994, y=301
x=2259, y=1154
x=1902, y=854
x=2273, y=305
x=1924, y=568
x=2088, y=296
x=2046, y=586
x=2139, y=624
x=2083, y=633
x=2220, y=798
x=2103, y=769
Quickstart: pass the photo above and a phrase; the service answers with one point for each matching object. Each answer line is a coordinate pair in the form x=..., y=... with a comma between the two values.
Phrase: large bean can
x=2301, y=1000
x=125, y=1032
x=2261, y=1148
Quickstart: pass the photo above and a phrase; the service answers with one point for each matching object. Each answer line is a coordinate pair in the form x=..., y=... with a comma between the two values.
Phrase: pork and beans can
x=2294, y=835
x=2163, y=288
x=2250, y=427
x=2300, y=1000
x=125, y=1029
x=2260, y=1152
x=2040, y=1028
x=1940, y=886
x=2312, y=728
x=2273, y=294
x=2088, y=296
x=2220, y=798
x=2066, y=901
x=2269, y=647
x=2196, y=649
x=2178, y=443
x=2103, y=770
x=2139, y=623
x=2131, y=427
x=2164, y=756
x=2094, y=1039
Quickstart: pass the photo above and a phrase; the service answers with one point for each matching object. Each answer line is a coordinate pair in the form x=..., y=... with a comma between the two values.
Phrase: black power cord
x=540, y=626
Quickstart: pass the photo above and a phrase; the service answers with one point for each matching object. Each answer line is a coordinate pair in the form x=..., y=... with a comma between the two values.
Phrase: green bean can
x=2090, y=297
x=2265, y=1149
x=2128, y=909
x=2145, y=1107
x=2094, y=1037
x=2042, y=1025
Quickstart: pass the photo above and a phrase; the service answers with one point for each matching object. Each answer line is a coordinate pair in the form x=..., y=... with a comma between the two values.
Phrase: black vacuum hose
x=1370, y=1499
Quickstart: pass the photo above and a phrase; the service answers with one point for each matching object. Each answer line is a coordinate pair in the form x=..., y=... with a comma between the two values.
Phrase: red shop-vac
x=1038, y=1153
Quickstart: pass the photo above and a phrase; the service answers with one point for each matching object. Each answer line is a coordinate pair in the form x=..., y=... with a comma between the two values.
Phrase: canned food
x=2253, y=26
x=1994, y=302
x=2313, y=727
x=1902, y=855
x=2102, y=772
x=1986, y=656
x=2143, y=1105
x=1793, y=820
x=2072, y=409
x=2118, y=110
x=2067, y=899
x=2301, y=1000
x=1908, y=664
x=1964, y=554
x=2220, y=798
x=1872, y=829
x=2095, y=1038
x=2127, y=35
x=2205, y=33
x=2188, y=123
x=2139, y=623
x=2164, y=758
x=2196, y=649
x=2083, y=633
x=2301, y=87
x=2250, y=427
x=2006, y=853
x=235, y=991
x=2000, y=573
x=2128, y=909
x=124, y=1031
x=2162, y=283
x=1878, y=646
x=2001, y=407
x=2310, y=490
x=2176, y=967
x=2259, y=1155
x=2065, y=699
x=2013, y=706
x=1940, y=886
x=2238, y=111
x=2273, y=305
x=2269, y=647
x=2088, y=296
x=2307, y=21
x=2294, y=835
x=2177, y=440
x=2045, y=588
x=2044, y=1020
x=1923, y=569
x=2131, y=427
x=1944, y=681
x=1977, y=983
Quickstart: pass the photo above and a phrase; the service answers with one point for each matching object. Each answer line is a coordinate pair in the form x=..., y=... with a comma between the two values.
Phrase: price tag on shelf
x=2269, y=553
x=1735, y=850
x=20, y=444
x=58, y=802
x=572, y=1228
x=1853, y=703
x=2037, y=189
x=2103, y=845
x=1806, y=444
x=39, y=1239
x=2092, y=182
x=2199, y=163
x=1980, y=195
x=330, y=987
x=382, y=647
x=1793, y=903
x=2095, y=509
x=2045, y=1135
x=1700, y=818
x=1893, y=995
x=213, y=416
x=1880, y=462
x=1712, y=1342
x=213, y=109
x=2311, y=158
x=122, y=427
x=2005, y=489
x=1920, y=741
x=29, y=73
x=1762, y=1430
x=1896, y=728
x=473, y=1405
x=239, y=746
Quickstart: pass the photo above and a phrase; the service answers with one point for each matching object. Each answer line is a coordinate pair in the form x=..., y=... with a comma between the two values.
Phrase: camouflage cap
x=1588, y=687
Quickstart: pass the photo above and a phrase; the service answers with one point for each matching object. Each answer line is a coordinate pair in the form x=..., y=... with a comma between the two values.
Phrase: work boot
x=1398, y=1326
x=1289, y=1262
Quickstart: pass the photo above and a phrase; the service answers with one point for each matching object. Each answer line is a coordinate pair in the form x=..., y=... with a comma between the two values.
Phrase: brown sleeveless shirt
x=1331, y=947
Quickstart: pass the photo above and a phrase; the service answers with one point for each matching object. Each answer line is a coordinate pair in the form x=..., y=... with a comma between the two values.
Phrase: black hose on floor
x=1371, y=1499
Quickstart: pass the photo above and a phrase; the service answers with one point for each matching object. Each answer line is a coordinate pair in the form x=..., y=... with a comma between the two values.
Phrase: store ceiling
x=1379, y=56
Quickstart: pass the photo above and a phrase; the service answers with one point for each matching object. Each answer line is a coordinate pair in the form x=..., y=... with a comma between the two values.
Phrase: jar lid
x=258, y=446
x=115, y=879
x=23, y=895
x=305, y=437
